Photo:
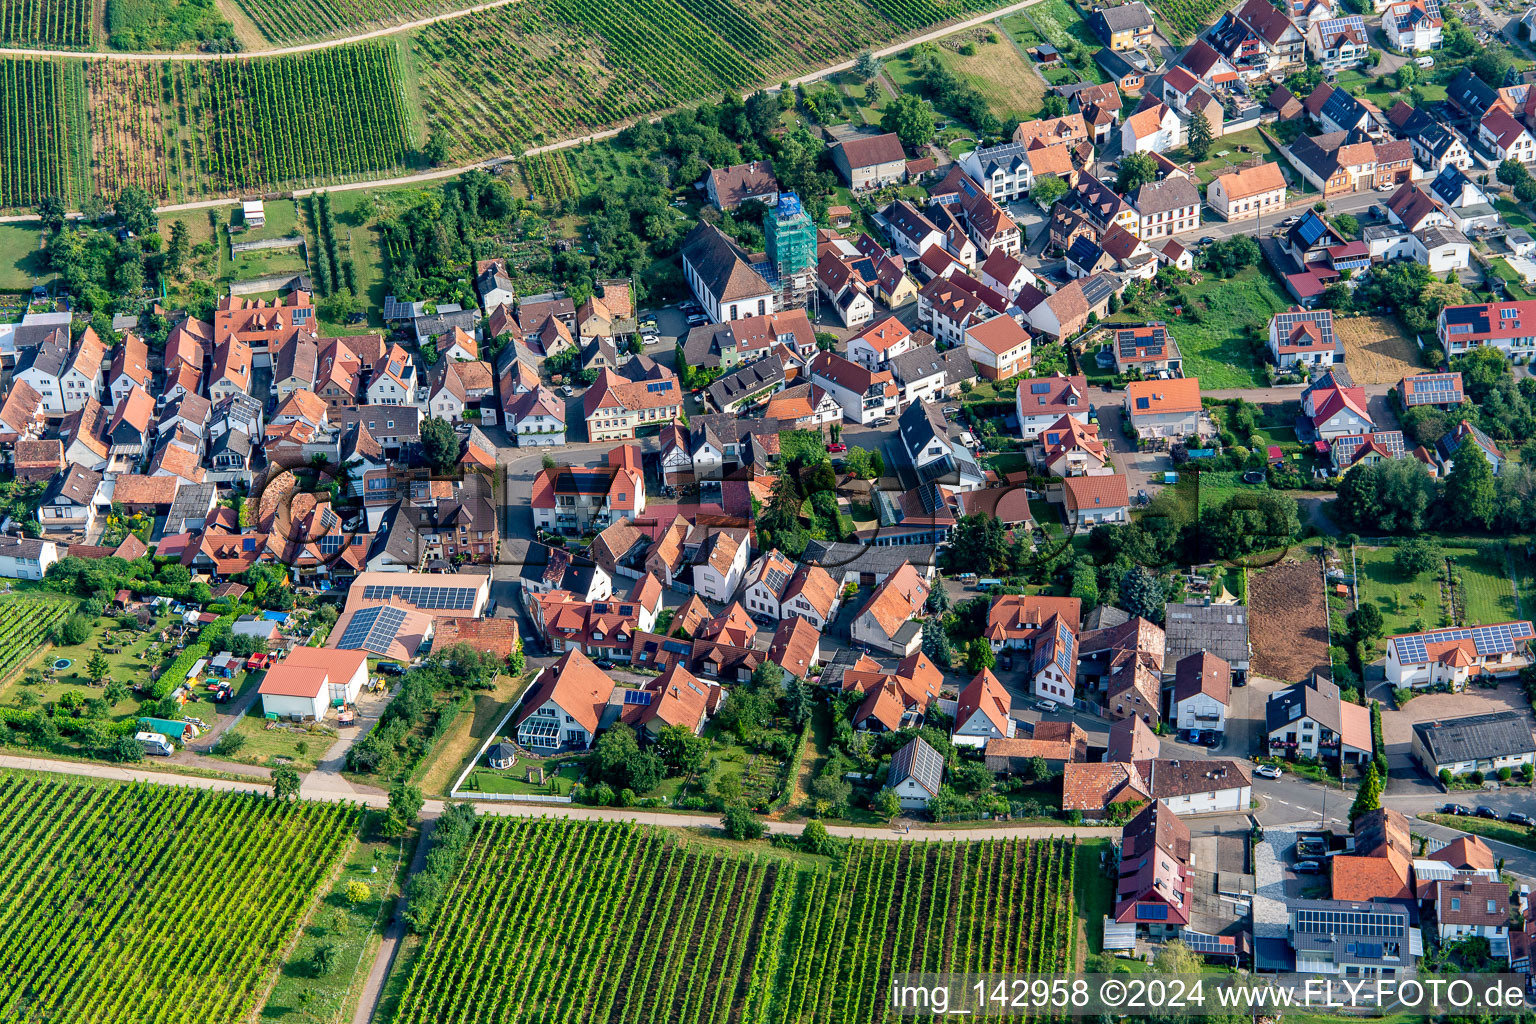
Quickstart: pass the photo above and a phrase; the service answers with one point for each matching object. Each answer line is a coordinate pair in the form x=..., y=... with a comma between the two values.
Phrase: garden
x=170, y=894
x=640, y=923
x=1409, y=585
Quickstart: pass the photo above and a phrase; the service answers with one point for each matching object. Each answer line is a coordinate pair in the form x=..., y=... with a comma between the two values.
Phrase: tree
x=1136, y=170
x=1176, y=958
x=1393, y=496
x=1347, y=225
x=865, y=66
x=1141, y=594
x=1368, y=798
x=127, y=750
x=1407, y=75
x=75, y=630
x=1416, y=556
x=1200, y=136
x=814, y=839
x=96, y=668
x=136, y=207
x=886, y=803
x=911, y=118
x=938, y=600
x=439, y=443
x=1365, y=622
x=116, y=692
x=324, y=960
x=680, y=750
x=1054, y=105
x=404, y=809
x=51, y=212
x=358, y=892
x=1492, y=64
x=1469, y=490
x=436, y=149
x=978, y=544
x=741, y=823
x=1047, y=190
x=1511, y=171
x=936, y=644
x=285, y=782
x=979, y=655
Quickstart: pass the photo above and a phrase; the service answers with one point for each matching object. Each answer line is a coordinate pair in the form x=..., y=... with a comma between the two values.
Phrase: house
x=1210, y=67
x=1093, y=787
x=1340, y=162
x=951, y=305
x=916, y=773
x=1127, y=75
x=803, y=406
x=1348, y=450
x=81, y=376
x=796, y=647
x=1053, y=666
x=1199, y=787
x=721, y=564
x=1413, y=25
x=729, y=187
x=26, y=558
x=926, y=374
x=1017, y=621
x=575, y=499
x=1154, y=129
x=1507, y=326
x=1414, y=209
x=727, y=345
x=1333, y=411
x=1381, y=864
x=747, y=385
x=1249, y=193
x=1164, y=408
x=1304, y=337
x=875, y=346
x=1504, y=137
x=70, y=501
x=1148, y=349
x=981, y=714
x=811, y=596
x=1154, y=882
x=1222, y=629
x=310, y=680
x=1441, y=249
x=393, y=381
x=615, y=408
x=1338, y=43
x=1006, y=275
x=1131, y=740
x=1284, y=103
x=1070, y=447
x=564, y=707
x=41, y=367
x=865, y=395
x=21, y=418
x=887, y=620
x=1202, y=691
x=1042, y=401
x=35, y=461
x=1452, y=657
x=1439, y=390
x=870, y=161
x=1435, y=145
x=1058, y=744
x=1091, y=500
x=1450, y=444
x=1310, y=719
x=1469, y=908
x=1259, y=37
x=1065, y=312
x=722, y=278
x=1354, y=938
x=537, y=418
x=1126, y=27
x=1476, y=743
x=999, y=348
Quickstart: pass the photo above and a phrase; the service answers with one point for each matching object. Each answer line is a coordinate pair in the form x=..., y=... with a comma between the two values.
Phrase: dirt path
x=389, y=948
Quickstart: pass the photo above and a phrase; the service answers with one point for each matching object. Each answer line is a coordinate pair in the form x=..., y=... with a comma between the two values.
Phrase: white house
x=917, y=772
x=1201, y=787
x=1411, y=25
x=1467, y=908
x=999, y=347
x=537, y=418
x=1453, y=657
x=888, y=619
x=1042, y=401
x=311, y=679
x=81, y=379
x=393, y=381
x=721, y=277
x=1441, y=249
x=875, y=346
x=1154, y=130
x=26, y=558
x=566, y=706
x=1053, y=669
x=865, y=395
x=982, y=712
x=41, y=366
x=1477, y=743
x=70, y=501
x=1506, y=137
x=1310, y=719
x=722, y=564
x=1202, y=689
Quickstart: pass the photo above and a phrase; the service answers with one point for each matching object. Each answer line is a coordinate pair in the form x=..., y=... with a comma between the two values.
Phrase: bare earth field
x=1375, y=350
x=1288, y=621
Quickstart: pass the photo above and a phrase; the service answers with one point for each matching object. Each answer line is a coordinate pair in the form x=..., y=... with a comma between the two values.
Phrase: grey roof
x=1315, y=698
x=919, y=762
x=1343, y=109
x=1097, y=288
x=192, y=502
x=926, y=360
x=1172, y=193
x=1124, y=18
x=1441, y=234
x=439, y=323
x=1105, y=616
x=77, y=484
x=1221, y=629
x=754, y=377
x=22, y=547
x=838, y=557
x=239, y=406
x=49, y=357
x=1010, y=157
x=1477, y=737
x=921, y=424
x=1373, y=932
x=236, y=442
x=1375, y=232
x=721, y=264
x=407, y=419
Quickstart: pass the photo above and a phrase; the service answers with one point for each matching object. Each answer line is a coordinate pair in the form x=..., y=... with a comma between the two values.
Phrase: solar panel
x=776, y=579
x=1151, y=912
x=1203, y=943
x=1040, y=388
x=638, y=698
x=424, y=598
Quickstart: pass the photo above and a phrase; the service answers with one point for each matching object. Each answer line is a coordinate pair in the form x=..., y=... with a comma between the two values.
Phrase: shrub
x=1445, y=777
x=1504, y=774
x=1476, y=778
x=741, y=823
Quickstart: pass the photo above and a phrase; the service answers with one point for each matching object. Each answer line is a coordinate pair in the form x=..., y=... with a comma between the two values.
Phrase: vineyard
x=633, y=926
x=540, y=70
x=1188, y=18
x=25, y=624
x=36, y=159
x=548, y=176
x=136, y=903
x=290, y=21
x=46, y=24
x=128, y=145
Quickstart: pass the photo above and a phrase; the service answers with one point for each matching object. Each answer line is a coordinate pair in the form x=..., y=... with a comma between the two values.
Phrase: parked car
x=1309, y=867
x=650, y=339
x=697, y=320
x=1268, y=771
x=837, y=448
x=1208, y=240
x=1455, y=810
x=1516, y=818
x=1195, y=735
x=1486, y=812
x=1046, y=706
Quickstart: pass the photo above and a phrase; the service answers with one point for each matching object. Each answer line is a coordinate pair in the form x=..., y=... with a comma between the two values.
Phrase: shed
x=502, y=755
x=255, y=213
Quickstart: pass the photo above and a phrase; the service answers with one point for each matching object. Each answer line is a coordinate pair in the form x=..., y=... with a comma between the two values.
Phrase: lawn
x=1061, y=26
x=1214, y=346
x=1512, y=282
x=1512, y=213
x=21, y=259
x=352, y=930
x=271, y=743
x=1008, y=462
x=1396, y=595
x=1022, y=30
x=1499, y=831
x=1231, y=150
x=997, y=71
x=1215, y=487
x=1093, y=895
x=465, y=735
x=558, y=779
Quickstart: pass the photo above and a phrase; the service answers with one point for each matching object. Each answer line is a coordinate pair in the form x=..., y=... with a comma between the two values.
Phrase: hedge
x=176, y=672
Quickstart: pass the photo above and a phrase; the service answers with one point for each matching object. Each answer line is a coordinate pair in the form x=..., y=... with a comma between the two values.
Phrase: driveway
x=1143, y=470
x=1397, y=725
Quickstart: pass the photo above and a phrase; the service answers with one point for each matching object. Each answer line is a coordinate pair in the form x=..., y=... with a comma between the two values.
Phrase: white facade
x=1218, y=801
x=1200, y=711
x=713, y=585
x=571, y=732
x=539, y=431
x=22, y=559
x=1444, y=256
x=1052, y=683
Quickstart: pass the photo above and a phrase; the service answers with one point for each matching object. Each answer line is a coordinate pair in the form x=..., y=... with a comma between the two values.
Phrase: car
x=951, y=411
x=837, y=448
x=603, y=663
x=697, y=320
x=1516, y=818
x=1386, y=187
x=567, y=390
x=1309, y=867
x=650, y=339
x=1045, y=706
x=1194, y=735
x=883, y=421
x=1268, y=771
x=1486, y=812
x=391, y=668
x=1455, y=810
x=1379, y=212
x=1208, y=240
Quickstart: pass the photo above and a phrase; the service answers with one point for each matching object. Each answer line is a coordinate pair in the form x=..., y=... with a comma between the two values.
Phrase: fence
x=270, y=283
x=290, y=242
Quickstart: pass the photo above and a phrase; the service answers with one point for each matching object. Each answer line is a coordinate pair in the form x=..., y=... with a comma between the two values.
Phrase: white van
x=155, y=743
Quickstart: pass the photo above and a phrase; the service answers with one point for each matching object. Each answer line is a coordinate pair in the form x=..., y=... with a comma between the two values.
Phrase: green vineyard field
x=575, y=921
x=51, y=24
x=148, y=902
